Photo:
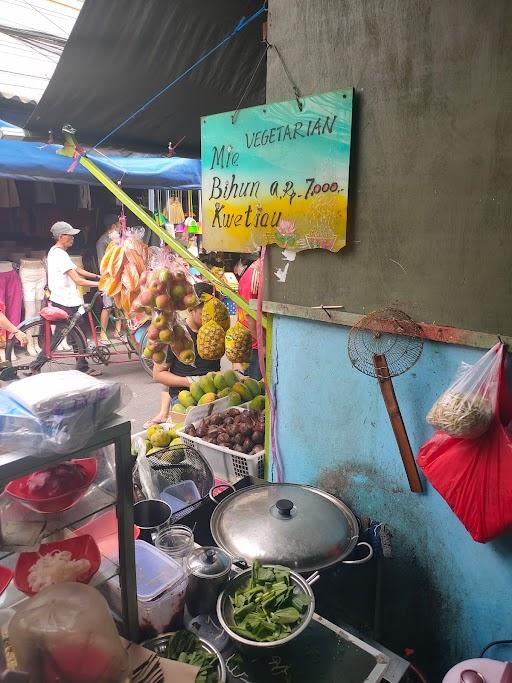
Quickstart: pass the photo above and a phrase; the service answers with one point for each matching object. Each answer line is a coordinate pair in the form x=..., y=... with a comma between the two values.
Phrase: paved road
x=145, y=401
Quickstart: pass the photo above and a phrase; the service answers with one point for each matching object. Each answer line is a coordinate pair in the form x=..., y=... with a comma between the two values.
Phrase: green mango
x=244, y=392
x=196, y=391
x=219, y=381
x=186, y=399
x=252, y=385
x=234, y=399
x=257, y=403
x=230, y=377
x=178, y=408
x=224, y=392
x=262, y=387
x=207, y=385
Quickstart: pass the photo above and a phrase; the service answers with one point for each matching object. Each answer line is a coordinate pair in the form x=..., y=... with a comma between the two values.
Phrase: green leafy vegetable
x=268, y=608
x=184, y=646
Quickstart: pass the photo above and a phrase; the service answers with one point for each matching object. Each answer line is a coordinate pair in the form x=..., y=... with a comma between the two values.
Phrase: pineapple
x=238, y=344
x=214, y=309
x=210, y=341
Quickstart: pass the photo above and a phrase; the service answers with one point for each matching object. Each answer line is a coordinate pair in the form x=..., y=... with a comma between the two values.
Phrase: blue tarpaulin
x=29, y=160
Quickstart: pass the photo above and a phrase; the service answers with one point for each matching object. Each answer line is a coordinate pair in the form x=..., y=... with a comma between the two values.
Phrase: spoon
x=471, y=676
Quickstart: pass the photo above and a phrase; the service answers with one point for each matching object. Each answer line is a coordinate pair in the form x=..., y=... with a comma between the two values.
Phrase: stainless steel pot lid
x=209, y=562
x=300, y=527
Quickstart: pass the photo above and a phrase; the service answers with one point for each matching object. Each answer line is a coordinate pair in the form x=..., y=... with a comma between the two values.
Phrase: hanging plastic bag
x=66, y=634
x=467, y=407
x=474, y=476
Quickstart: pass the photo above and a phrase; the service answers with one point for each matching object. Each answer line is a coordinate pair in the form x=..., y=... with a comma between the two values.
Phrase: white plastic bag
x=55, y=413
x=467, y=407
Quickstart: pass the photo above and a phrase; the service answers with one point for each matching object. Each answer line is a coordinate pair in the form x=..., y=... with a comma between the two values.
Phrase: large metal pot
x=301, y=527
x=225, y=608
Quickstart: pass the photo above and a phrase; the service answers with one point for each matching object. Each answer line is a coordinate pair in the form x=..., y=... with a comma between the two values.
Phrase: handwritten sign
x=277, y=174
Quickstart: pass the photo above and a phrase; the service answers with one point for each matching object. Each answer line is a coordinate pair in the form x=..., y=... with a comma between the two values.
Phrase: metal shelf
x=95, y=500
x=116, y=432
x=12, y=597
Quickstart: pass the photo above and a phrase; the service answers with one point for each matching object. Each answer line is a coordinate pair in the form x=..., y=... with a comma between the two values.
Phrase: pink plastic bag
x=474, y=476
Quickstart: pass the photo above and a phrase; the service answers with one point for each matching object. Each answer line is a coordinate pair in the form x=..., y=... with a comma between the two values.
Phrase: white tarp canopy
x=33, y=34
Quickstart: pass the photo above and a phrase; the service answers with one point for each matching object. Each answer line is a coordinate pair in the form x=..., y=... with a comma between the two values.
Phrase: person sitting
x=175, y=375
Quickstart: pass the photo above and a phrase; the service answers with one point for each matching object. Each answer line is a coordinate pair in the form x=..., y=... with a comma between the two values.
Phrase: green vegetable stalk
x=268, y=608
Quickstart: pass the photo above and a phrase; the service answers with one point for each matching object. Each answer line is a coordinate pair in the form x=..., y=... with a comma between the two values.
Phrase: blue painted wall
x=443, y=591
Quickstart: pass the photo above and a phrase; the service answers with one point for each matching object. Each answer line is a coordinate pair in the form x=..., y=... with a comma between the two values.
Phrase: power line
x=35, y=9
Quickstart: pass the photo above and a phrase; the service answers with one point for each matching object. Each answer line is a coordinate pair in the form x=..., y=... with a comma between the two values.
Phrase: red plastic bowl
x=6, y=575
x=80, y=547
x=18, y=490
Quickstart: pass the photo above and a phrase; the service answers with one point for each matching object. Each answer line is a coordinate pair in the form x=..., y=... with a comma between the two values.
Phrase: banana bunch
x=120, y=271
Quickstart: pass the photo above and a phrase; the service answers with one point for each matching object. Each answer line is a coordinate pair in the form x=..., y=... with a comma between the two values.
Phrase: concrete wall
x=444, y=595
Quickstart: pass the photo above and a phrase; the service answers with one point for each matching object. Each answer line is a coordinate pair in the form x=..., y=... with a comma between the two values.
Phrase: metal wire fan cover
x=387, y=331
x=182, y=463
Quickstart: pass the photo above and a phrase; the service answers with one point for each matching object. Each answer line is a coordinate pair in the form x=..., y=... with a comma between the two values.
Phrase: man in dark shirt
x=174, y=374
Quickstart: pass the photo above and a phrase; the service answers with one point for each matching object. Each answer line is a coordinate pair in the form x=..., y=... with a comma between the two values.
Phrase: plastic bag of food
x=474, y=476
x=182, y=345
x=467, y=407
x=160, y=336
x=174, y=271
x=59, y=416
x=66, y=634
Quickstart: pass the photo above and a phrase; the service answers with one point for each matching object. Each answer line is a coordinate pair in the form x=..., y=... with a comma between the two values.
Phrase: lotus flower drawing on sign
x=285, y=236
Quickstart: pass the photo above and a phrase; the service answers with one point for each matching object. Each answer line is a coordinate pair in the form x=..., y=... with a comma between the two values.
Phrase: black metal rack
x=116, y=432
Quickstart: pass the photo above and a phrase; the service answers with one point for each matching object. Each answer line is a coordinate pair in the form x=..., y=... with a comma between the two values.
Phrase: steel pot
x=301, y=527
x=209, y=570
x=225, y=609
x=159, y=645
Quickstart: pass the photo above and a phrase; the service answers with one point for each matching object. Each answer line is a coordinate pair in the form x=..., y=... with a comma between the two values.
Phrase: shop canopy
x=122, y=52
x=28, y=160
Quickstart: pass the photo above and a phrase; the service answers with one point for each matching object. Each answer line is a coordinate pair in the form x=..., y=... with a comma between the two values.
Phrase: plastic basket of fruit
x=231, y=442
x=217, y=391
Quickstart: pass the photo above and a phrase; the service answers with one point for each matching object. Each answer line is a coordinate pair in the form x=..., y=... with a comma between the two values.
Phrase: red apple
x=146, y=298
x=163, y=302
x=153, y=332
x=143, y=278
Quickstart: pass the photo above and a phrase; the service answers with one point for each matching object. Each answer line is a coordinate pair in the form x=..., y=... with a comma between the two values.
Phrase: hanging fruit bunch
x=215, y=321
x=238, y=344
x=121, y=267
x=166, y=289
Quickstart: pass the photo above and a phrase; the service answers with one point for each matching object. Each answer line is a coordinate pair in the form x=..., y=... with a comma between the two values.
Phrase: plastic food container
x=161, y=586
x=180, y=495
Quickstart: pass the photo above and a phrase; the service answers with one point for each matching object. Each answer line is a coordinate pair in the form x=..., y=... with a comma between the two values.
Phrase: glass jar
x=177, y=542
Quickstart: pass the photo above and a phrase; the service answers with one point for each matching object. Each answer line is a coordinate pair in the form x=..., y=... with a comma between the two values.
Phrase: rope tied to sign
x=240, y=26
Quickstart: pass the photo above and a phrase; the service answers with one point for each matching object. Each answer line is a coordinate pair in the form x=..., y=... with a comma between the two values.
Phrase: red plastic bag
x=474, y=476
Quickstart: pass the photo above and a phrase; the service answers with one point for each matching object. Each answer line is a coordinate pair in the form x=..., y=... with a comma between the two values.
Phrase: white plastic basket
x=227, y=464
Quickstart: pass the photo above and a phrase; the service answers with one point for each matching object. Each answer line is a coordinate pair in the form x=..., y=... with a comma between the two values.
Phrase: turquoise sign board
x=277, y=174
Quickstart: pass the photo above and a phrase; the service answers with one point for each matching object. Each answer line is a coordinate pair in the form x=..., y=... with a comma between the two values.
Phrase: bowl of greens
x=266, y=606
x=184, y=646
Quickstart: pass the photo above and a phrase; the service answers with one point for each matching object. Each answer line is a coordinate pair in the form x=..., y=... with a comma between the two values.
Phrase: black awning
x=121, y=52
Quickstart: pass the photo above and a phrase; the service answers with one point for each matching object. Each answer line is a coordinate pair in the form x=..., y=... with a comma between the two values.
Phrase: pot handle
x=315, y=576
x=362, y=560
x=219, y=486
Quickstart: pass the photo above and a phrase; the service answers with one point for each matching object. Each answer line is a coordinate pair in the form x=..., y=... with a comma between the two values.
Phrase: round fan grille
x=387, y=331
